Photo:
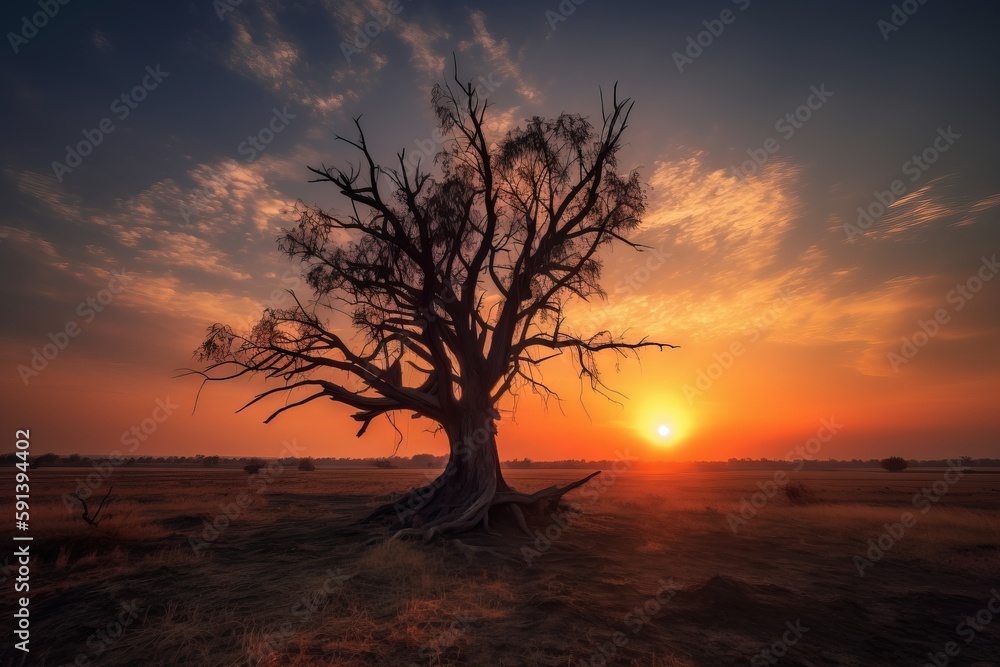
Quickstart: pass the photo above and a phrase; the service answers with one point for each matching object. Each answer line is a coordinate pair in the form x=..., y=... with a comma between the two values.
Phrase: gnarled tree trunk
x=471, y=492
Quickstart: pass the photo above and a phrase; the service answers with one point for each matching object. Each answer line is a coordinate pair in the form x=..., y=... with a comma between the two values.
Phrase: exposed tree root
x=439, y=509
x=548, y=494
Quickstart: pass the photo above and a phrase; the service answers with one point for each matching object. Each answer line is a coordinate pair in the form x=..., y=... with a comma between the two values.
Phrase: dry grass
x=282, y=585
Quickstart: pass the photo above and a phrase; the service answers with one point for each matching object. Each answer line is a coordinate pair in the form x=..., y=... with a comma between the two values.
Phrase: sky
x=822, y=215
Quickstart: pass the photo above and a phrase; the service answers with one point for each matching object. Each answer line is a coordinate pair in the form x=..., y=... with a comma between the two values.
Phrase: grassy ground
x=650, y=572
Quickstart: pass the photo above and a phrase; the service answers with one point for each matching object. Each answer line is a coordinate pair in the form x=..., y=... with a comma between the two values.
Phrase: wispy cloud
x=975, y=212
x=261, y=52
x=34, y=243
x=101, y=41
x=264, y=49
x=226, y=210
x=916, y=210
x=724, y=238
x=47, y=191
x=498, y=56
x=421, y=39
x=936, y=203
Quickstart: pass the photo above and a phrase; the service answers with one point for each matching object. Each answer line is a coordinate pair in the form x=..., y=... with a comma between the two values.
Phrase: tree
x=254, y=466
x=307, y=465
x=462, y=278
x=894, y=463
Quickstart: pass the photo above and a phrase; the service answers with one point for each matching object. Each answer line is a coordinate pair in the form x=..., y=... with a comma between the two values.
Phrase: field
x=653, y=569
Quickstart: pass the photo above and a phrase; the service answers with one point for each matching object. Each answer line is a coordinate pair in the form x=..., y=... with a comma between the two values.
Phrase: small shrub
x=306, y=465
x=799, y=494
x=254, y=467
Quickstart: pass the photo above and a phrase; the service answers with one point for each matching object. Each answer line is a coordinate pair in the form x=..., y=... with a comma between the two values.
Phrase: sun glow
x=662, y=421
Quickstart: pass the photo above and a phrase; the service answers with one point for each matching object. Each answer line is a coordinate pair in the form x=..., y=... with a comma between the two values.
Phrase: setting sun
x=662, y=421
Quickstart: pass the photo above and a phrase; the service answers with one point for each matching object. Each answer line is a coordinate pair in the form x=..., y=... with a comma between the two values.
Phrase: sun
x=662, y=422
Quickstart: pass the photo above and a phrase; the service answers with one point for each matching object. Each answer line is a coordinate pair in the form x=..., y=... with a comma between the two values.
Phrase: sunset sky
x=788, y=310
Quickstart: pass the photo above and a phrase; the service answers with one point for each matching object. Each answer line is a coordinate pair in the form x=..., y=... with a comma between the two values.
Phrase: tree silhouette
x=460, y=277
x=894, y=463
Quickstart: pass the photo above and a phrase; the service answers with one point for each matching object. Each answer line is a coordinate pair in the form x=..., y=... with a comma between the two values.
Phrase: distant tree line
x=436, y=461
x=892, y=463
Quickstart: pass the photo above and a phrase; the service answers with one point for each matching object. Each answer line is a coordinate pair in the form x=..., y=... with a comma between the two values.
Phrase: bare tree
x=459, y=277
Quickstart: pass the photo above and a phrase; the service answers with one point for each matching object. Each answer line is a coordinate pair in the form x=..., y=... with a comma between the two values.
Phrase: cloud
x=265, y=50
x=271, y=63
x=915, y=210
x=497, y=53
x=181, y=250
x=229, y=209
x=100, y=40
x=260, y=52
x=169, y=295
x=47, y=191
x=715, y=212
x=500, y=121
x=33, y=243
x=935, y=203
x=423, y=57
x=236, y=192
x=975, y=212
x=147, y=225
x=723, y=239
x=350, y=15
x=731, y=257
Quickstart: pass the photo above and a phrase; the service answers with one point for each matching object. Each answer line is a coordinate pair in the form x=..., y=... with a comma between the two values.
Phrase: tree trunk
x=471, y=491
